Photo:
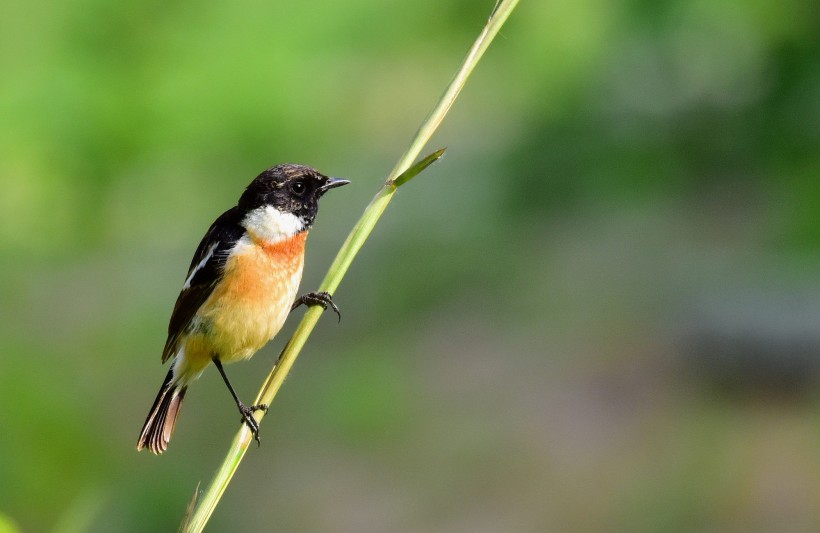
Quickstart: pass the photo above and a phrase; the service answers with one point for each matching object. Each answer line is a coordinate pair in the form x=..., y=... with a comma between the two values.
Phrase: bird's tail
x=159, y=426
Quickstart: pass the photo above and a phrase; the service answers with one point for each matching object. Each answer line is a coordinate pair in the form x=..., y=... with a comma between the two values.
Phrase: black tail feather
x=159, y=426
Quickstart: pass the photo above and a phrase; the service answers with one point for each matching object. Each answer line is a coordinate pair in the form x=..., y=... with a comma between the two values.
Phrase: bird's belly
x=251, y=303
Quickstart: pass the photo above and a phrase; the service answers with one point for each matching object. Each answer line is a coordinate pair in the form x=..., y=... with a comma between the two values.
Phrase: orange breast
x=250, y=304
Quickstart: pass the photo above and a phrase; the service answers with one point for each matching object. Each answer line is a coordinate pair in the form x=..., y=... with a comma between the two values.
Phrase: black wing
x=203, y=274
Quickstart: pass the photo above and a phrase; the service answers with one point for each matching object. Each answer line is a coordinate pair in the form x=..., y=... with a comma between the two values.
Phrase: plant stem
x=358, y=235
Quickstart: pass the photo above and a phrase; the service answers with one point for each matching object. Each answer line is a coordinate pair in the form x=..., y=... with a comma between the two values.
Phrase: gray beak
x=332, y=183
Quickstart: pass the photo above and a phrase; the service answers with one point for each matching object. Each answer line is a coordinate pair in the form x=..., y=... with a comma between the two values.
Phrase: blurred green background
x=600, y=312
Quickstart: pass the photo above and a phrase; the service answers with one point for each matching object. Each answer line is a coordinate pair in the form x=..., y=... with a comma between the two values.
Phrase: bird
x=240, y=287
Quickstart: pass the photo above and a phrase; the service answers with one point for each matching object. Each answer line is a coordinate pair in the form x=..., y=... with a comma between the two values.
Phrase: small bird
x=240, y=287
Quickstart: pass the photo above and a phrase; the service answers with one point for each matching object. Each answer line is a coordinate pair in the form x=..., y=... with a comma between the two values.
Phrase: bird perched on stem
x=240, y=287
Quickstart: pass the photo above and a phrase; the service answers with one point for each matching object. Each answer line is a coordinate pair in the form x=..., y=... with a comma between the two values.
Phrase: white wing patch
x=199, y=266
x=272, y=225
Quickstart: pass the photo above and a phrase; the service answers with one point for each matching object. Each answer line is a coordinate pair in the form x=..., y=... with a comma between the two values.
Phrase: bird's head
x=284, y=200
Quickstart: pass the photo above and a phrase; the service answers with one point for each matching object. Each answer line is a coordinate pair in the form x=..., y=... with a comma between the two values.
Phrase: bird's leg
x=247, y=411
x=317, y=298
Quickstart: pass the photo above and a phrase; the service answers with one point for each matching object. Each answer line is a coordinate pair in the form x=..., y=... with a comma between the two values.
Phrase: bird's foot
x=248, y=418
x=317, y=298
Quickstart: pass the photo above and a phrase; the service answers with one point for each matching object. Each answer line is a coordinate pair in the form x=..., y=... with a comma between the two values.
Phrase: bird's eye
x=298, y=187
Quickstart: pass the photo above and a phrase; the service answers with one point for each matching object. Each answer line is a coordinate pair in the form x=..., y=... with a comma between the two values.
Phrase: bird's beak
x=332, y=183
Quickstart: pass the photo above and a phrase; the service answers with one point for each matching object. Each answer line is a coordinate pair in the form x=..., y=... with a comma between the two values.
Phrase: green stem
x=358, y=235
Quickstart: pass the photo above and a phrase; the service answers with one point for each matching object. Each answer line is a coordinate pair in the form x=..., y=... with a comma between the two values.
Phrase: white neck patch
x=272, y=225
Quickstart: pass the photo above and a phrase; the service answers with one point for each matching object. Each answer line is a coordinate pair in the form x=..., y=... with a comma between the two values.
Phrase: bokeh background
x=600, y=312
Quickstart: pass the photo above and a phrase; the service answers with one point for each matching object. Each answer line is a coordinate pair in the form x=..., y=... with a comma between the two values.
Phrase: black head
x=290, y=189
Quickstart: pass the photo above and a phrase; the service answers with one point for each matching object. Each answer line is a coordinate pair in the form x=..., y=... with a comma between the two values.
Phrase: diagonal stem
x=401, y=174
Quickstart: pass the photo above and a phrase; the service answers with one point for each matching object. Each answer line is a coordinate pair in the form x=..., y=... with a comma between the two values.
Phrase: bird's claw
x=322, y=298
x=248, y=418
